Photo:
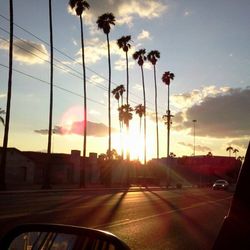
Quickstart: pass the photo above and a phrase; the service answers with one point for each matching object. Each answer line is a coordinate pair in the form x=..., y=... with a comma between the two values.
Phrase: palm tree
x=140, y=111
x=152, y=57
x=240, y=158
x=104, y=22
x=172, y=155
x=141, y=58
x=2, y=112
x=7, y=118
x=79, y=6
x=124, y=43
x=229, y=149
x=46, y=174
x=235, y=151
x=125, y=115
x=166, y=77
x=118, y=93
x=209, y=154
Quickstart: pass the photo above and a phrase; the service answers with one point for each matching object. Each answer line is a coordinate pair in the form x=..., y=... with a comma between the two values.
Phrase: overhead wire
x=67, y=66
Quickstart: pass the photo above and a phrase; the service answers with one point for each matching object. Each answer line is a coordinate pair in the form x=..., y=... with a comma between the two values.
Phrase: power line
x=69, y=57
x=55, y=85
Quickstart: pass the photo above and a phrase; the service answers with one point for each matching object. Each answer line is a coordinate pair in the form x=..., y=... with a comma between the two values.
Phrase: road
x=144, y=219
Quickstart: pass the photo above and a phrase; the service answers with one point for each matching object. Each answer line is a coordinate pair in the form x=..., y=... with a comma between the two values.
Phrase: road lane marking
x=9, y=216
x=117, y=222
x=114, y=224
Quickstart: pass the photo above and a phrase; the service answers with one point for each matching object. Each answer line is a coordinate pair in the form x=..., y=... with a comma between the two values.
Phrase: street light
x=194, y=121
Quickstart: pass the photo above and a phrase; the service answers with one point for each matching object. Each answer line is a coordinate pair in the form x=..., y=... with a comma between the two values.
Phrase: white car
x=221, y=184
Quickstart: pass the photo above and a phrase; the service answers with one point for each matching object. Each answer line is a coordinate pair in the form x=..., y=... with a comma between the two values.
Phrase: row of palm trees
x=230, y=149
x=104, y=22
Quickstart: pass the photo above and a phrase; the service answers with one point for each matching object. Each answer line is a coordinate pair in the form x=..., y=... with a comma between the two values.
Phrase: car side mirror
x=60, y=237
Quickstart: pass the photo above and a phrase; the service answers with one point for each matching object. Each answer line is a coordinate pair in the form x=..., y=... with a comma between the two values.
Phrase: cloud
x=3, y=95
x=27, y=51
x=125, y=11
x=120, y=64
x=57, y=130
x=137, y=87
x=93, y=129
x=96, y=49
x=223, y=115
x=196, y=96
x=96, y=79
x=242, y=143
x=197, y=147
x=144, y=35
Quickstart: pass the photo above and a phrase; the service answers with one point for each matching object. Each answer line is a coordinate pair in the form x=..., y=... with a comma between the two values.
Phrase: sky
x=204, y=43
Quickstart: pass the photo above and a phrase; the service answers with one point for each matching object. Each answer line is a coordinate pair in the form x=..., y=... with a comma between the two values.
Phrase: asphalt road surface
x=144, y=219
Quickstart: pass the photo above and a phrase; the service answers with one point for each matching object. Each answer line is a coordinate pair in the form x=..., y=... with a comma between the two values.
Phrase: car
x=220, y=185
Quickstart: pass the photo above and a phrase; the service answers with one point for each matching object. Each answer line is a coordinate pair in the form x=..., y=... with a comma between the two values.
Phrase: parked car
x=220, y=185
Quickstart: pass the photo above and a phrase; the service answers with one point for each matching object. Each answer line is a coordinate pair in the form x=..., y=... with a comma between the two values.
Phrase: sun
x=134, y=143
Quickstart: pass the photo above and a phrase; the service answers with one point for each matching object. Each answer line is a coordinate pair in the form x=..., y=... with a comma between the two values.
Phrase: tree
x=229, y=149
x=209, y=154
x=240, y=158
x=166, y=77
x=104, y=22
x=124, y=44
x=152, y=57
x=140, y=111
x=141, y=58
x=118, y=93
x=46, y=174
x=112, y=154
x=125, y=113
x=235, y=151
x=172, y=155
x=8, y=105
x=79, y=6
x=2, y=112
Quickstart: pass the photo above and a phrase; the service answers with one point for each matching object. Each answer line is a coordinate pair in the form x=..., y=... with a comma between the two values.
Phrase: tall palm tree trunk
x=145, y=125
x=84, y=90
x=82, y=176
x=168, y=141
x=140, y=135
x=128, y=152
x=121, y=138
x=7, y=118
x=168, y=125
x=156, y=115
x=109, y=90
x=47, y=166
x=127, y=77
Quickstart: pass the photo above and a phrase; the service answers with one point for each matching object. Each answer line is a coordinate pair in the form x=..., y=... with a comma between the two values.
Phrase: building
x=20, y=169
